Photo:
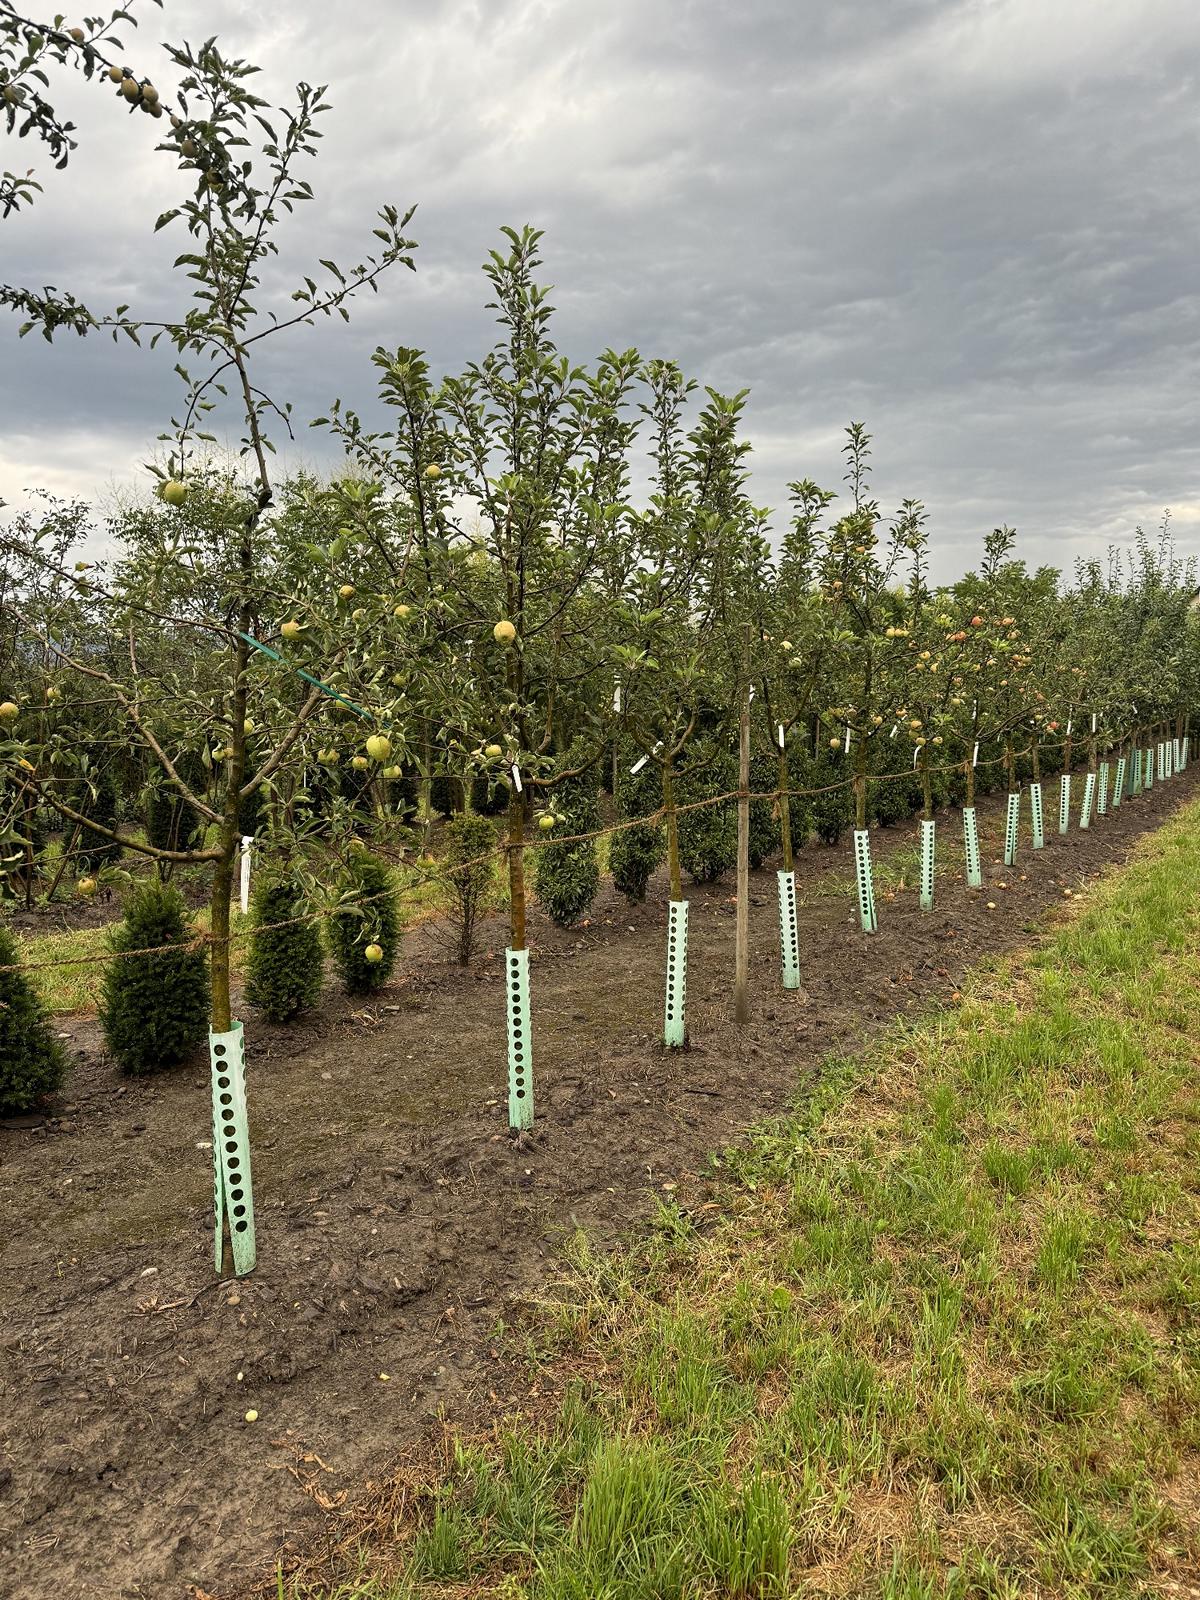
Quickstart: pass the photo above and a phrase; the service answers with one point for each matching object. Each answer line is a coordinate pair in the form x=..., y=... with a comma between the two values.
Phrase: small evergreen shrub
x=764, y=814
x=833, y=811
x=469, y=838
x=32, y=1062
x=371, y=916
x=708, y=835
x=566, y=876
x=446, y=793
x=489, y=796
x=283, y=978
x=171, y=824
x=93, y=850
x=155, y=1008
x=635, y=853
x=898, y=796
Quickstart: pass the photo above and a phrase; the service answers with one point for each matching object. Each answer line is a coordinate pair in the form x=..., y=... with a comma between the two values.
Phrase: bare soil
x=398, y=1221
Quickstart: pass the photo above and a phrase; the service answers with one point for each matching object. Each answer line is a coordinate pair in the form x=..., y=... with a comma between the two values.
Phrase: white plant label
x=975, y=754
x=847, y=738
x=516, y=777
x=781, y=739
x=247, y=841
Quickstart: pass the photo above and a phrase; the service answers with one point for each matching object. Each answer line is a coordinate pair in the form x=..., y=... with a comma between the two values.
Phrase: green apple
x=504, y=632
x=359, y=763
x=86, y=887
x=292, y=630
x=493, y=752
x=9, y=710
x=379, y=748
x=174, y=492
x=374, y=954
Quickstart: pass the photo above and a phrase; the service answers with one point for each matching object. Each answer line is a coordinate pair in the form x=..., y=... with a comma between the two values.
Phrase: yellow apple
x=379, y=748
x=373, y=953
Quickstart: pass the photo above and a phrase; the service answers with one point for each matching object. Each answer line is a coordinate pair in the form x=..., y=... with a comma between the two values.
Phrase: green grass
x=943, y=1339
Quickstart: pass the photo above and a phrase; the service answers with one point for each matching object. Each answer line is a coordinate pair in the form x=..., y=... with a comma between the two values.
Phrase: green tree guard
x=928, y=833
x=1102, y=791
x=675, y=1012
x=789, y=938
x=1119, y=785
x=1089, y=797
x=1011, y=823
x=1064, y=803
x=866, y=881
x=1148, y=774
x=520, y=1041
x=1037, y=815
x=971, y=842
x=233, y=1195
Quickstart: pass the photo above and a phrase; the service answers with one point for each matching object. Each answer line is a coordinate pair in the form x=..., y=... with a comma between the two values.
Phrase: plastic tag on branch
x=975, y=754
x=781, y=738
x=247, y=842
x=516, y=774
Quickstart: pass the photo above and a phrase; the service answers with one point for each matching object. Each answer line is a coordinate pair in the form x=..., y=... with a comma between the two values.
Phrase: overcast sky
x=971, y=224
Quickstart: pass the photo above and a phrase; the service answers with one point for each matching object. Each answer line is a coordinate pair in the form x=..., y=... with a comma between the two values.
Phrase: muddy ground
x=398, y=1223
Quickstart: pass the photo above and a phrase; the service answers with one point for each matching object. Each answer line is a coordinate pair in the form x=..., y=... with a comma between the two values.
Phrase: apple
x=327, y=758
x=433, y=470
x=374, y=954
x=115, y=74
x=9, y=710
x=86, y=887
x=397, y=680
x=292, y=630
x=835, y=744
x=359, y=763
x=546, y=822
x=53, y=694
x=493, y=752
x=357, y=614
x=379, y=748
x=77, y=34
x=401, y=610
x=785, y=644
x=977, y=622
x=504, y=632
x=130, y=88
x=393, y=772
x=346, y=591
x=174, y=492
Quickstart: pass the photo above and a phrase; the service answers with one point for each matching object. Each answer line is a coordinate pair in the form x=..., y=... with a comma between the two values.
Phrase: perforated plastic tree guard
x=866, y=881
x=233, y=1197
x=1148, y=773
x=1119, y=785
x=971, y=843
x=1039, y=821
x=789, y=938
x=675, y=1012
x=1089, y=800
x=1168, y=759
x=1064, y=802
x=928, y=835
x=1102, y=791
x=1011, y=823
x=520, y=1039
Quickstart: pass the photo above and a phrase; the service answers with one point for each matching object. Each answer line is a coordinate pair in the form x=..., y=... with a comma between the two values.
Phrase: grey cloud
x=967, y=222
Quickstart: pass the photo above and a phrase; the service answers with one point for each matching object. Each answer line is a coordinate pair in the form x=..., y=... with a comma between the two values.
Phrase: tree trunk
x=741, y=960
x=668, y=787
x=926, y=784
x=516, y=870
x=785, y=811
x=860, y=784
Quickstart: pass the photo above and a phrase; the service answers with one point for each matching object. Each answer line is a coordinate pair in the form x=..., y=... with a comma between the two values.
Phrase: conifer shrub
x=898, y=795
x=32, y=1061
x=764, y=814
x=155, y=1008
x=470, y=863
x=708, y=835
x=99, y=804
x=369, y=920
x=833, y=810
x=283, y=978
x=636, y=853
x=567, y=876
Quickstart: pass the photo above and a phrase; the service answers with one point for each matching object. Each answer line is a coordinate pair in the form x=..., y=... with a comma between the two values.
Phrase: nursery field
x=406, y=1240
